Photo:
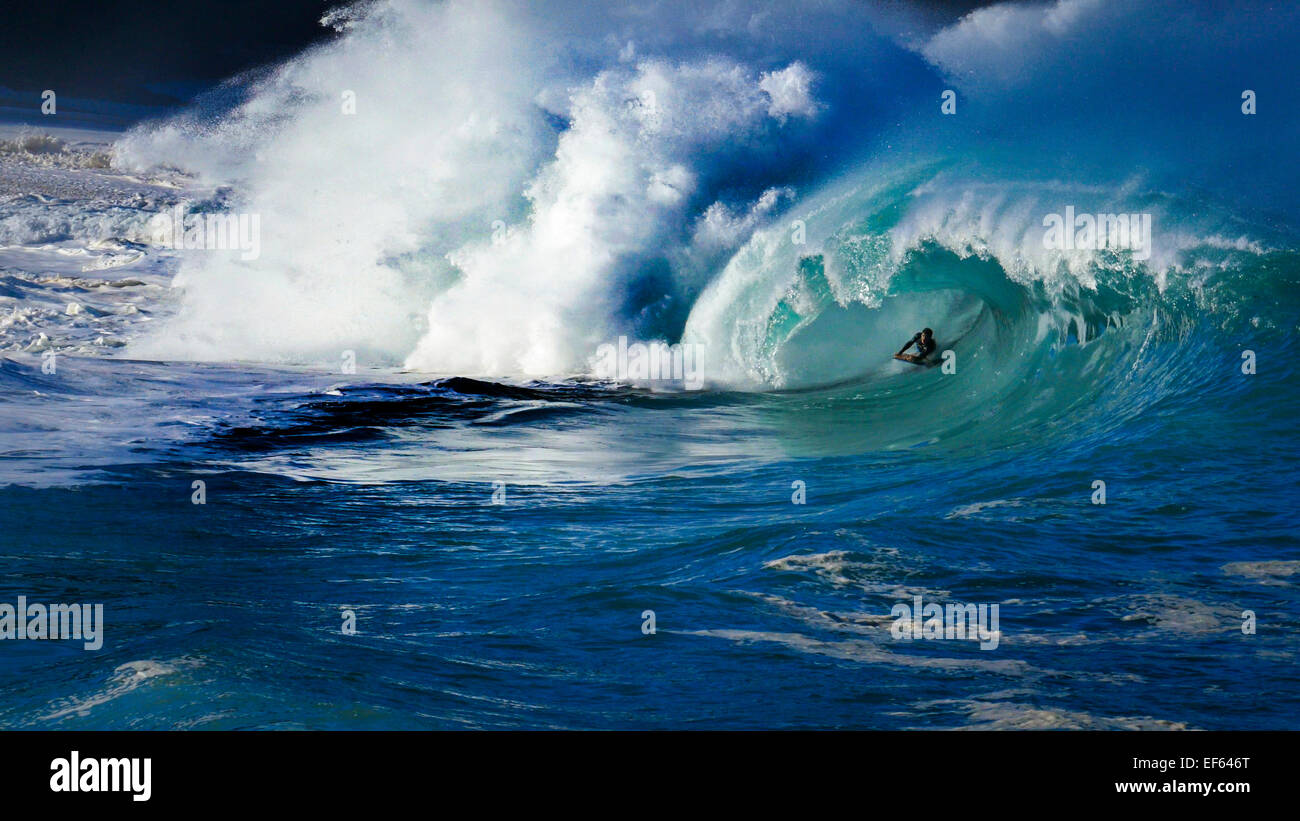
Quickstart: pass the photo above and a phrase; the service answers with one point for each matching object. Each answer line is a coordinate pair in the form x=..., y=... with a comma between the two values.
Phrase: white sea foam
x=519, y=184
x=985, y=714
x=125, y=679
x=1177, y=614
x=1276, y=572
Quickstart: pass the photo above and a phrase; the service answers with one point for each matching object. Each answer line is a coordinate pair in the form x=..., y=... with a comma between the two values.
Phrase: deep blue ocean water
x=529, y=614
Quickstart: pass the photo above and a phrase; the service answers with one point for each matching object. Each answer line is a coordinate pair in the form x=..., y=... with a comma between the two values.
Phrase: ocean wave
x=504, y=212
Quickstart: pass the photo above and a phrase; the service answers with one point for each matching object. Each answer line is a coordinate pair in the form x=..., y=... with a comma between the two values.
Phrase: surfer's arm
x=909, y=344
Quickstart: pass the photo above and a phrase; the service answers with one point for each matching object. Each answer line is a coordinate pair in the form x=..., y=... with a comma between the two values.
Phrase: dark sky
x=113, y=50
x=101, y=49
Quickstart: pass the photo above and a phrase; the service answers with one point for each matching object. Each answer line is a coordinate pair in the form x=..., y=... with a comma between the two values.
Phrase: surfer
x=925, y=345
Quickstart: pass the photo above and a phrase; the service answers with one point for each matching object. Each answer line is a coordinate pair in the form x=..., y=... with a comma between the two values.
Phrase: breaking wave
x=488, y=189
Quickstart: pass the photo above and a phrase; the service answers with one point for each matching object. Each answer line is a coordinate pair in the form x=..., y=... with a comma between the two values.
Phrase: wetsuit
x=923, y=348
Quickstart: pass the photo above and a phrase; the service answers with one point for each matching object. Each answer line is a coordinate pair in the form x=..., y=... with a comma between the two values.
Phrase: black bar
x=207, y=771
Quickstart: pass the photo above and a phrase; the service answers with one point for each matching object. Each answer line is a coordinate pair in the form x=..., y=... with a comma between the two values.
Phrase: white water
x=519, y=185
